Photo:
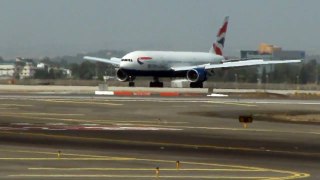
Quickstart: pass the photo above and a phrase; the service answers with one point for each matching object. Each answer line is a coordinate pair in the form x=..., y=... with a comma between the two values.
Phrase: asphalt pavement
x=89, y=137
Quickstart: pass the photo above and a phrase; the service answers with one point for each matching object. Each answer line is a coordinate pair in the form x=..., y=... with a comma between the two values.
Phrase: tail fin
x=217, y=47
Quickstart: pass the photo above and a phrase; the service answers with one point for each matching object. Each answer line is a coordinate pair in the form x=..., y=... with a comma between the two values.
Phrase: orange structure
x=268, y=48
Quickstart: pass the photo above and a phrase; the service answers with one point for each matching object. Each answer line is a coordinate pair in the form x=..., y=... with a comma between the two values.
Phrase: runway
x=89, y=137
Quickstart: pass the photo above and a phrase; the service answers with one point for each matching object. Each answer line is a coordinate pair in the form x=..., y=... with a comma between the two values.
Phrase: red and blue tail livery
x=219, y=44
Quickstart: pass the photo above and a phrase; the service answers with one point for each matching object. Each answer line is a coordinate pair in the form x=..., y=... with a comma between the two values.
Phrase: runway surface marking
x=44, y=118
x=80, y=127
x=141, y=99
x=166, y=144
x=80, y=102
x=190, y=170
x=50, y=127
x=34, y=116
x=21, y=105
x=145, y=124
x=240, y=102
x=9, y=108
x=151, y=124
x=129, y=126
x=43, y=114
x=241, y=129
x=110, y=103
x=233, y=103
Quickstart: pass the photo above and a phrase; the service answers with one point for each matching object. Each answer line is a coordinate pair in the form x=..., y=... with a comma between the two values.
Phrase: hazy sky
x=35, y=28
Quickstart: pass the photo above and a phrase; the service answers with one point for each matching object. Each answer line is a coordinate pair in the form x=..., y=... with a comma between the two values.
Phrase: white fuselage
x=165, y=60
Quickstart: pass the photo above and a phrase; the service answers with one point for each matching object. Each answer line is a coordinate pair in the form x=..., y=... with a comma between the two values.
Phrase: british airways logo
x=141, y=59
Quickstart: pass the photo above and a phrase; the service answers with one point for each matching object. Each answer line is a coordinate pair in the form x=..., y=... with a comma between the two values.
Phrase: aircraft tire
x=156, y=84
x=196, y=85
x=131, y=84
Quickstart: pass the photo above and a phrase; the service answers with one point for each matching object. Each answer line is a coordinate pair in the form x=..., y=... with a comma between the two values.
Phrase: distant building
x=27, y=71
x=25, y=68
x=289, y=55
x=270, y=52
x=66, y=72
x=252, y=54
x=42, y=66
x=7, y=70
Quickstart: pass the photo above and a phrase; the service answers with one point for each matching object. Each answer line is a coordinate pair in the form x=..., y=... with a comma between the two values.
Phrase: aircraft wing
x=233, y=64
x=113, y=61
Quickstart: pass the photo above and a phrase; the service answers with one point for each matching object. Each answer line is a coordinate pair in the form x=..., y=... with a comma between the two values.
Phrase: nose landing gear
x=156, y=82
x=131, y=81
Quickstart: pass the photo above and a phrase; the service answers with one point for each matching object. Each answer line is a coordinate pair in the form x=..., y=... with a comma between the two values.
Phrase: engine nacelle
x=197, y=75
x=122, y=75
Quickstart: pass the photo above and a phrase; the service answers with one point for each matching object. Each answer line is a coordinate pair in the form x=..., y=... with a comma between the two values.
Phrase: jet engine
x=197, y=75
x=122, y=75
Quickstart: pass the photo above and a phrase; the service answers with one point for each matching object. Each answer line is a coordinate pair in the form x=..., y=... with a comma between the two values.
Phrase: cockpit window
x=128, y=60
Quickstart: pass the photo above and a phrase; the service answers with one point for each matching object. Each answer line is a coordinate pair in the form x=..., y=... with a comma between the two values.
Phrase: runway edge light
x=177, y=165
x=59, y=154
x=245, y=119
x=157, y=171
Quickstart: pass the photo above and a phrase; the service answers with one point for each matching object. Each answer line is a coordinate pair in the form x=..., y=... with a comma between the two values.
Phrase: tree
x=74, y=67
x=264, y=75
x=308, y=72
x=87, y=70
x=63, y=63
x=41, y=74
x=51, y=74
x=303, y=75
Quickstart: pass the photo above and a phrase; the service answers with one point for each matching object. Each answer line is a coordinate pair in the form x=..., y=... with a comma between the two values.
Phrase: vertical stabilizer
x=217, y=47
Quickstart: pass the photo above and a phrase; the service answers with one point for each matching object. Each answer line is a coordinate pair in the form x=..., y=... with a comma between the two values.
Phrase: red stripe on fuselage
x=145, y=58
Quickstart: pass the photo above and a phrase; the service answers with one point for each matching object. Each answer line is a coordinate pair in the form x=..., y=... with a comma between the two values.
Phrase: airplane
x=195, y=66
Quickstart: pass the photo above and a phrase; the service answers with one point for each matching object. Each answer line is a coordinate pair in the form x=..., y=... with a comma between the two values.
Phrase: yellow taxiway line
x=68, y=159
x=146, y=169
x=64, y=154
x=133, y=176
x=215, y=168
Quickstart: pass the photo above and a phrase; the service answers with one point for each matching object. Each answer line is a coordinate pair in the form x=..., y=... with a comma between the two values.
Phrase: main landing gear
x=156, y=82
x=196, y=85
x=131, y=84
